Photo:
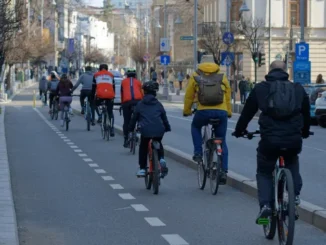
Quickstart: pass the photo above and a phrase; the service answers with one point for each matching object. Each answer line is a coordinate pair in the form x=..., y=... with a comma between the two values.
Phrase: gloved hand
x=305, y=134
x=239, y=134
x=229, y=116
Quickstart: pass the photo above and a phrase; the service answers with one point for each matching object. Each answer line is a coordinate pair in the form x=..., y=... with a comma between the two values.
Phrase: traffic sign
x=164, y=44
x=227, y=58
x=186, y=38
x=228, y=38
x=302, y=51
x=302, y=72
x=165, y=59
x=147, y=57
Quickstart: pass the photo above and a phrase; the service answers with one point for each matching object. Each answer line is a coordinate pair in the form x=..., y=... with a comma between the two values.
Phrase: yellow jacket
x=192, y=90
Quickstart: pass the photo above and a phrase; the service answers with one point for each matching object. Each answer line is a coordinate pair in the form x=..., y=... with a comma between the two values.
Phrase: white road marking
x=153, y=221
x=107, y=178
x=100, y=171
x=87, y=160
x=66, y=140
x=116, y=186
x=78, y=150
x=174, y=239
x=74, y=146
x=93, y=165
x=70, y=143
x=126, y=196
x=82, y=155
x=139, y=207
x=63, y=137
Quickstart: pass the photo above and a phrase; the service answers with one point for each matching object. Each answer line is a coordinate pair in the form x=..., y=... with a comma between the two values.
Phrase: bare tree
x=95, y=56
x=254, y=31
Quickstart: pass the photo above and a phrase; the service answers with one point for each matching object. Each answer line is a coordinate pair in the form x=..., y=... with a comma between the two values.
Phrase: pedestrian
x=171, y=77
x=180, y=78
x=244, y=88
x=284, y=121
x=43, y=87
x=314, y=94
x=153, y=75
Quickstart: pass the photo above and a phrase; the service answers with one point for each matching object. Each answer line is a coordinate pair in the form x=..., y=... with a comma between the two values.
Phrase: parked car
x=320, y=111
x=117, y=79
x=314, y=91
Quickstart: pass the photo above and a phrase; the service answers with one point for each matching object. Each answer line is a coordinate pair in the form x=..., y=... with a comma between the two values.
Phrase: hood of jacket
x=89, y=73
x=209, y=67
x=277, y=75
x=150, y=99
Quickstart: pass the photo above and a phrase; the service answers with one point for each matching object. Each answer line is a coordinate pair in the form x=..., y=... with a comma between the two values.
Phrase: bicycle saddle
x=214, y=121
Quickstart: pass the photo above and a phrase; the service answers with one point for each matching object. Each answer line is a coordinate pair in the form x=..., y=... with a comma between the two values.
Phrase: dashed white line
x=154, y=221
x=100, y=171
x=66, y=140
x=139, y=207
x=74, y=146
x=70, y=143
x=126, y=196
x=63, y=137
x=107, y=178
x=87, y=159
x=93, y=165
x=82, y=155
x=116, y=186
x=174, y=239
x=78, y=150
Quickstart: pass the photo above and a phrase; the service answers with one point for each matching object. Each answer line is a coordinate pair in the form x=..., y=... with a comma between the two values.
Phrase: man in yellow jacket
x=221, y=110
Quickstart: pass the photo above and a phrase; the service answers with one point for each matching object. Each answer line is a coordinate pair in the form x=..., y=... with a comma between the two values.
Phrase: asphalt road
x=74, y=188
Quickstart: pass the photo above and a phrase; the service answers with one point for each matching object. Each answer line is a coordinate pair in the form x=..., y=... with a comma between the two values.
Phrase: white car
x=320, y=110
x=117, y=99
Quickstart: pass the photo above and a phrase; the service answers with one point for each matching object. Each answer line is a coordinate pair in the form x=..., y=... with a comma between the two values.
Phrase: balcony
x=235, y=26
x=206, y=27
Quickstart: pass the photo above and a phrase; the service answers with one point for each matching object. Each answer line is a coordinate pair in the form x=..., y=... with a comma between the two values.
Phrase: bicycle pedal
x=263, y=221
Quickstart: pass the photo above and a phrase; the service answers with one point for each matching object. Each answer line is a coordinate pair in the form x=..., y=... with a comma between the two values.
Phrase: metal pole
x=42, y=18
x=302, y=19
x=119, y=52
x=228, y=22
x=165, y=87
x=270, y=32
x=147, y=37
x=195, y=33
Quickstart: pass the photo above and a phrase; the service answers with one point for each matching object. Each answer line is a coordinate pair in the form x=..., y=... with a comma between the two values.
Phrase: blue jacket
x=151, y=117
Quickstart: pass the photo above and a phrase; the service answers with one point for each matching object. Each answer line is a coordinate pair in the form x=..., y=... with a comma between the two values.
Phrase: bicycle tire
x=148, y=180
x=202, y=173
x=104, y=126
x=88, y=117
x=56, y=111
x=134, y=145
x=131, y=143
x=156, y=172
x=214, y=172
x=270, y=229
x=285, y=177
x=108, y=127
x=67, y=120
x=52, y=113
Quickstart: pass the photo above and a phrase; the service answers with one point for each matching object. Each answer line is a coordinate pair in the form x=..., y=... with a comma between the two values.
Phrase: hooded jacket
x=86, y=80
x=151, y=117
x=43, y=84
x=53, y=84
x=276, y=133
x=192, y=90
x=64, y=88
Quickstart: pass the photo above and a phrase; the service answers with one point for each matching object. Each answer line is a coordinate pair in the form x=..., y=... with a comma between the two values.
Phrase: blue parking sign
x=302, y=51
x=302, y=72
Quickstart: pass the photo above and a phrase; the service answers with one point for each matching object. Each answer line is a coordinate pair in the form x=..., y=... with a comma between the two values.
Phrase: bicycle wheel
x=270, y=228
x=214, y=171
x=67, y=120
x=286, y=197
x=88, y=117
x=56, y=110
x=202, y=173
x=103, y=126
x=131, y=142
x=156, y=172
x=52, y=112
x=108, y=127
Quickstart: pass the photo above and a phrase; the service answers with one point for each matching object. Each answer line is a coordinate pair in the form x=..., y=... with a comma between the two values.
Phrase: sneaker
x=112, y=132
x=61, y=123
x=141, y=173
x=82, y=112
x=297, y=200
x=223, y=177
x=164, y=168
x=197, y=158
x=126, y=143
x=264, y=214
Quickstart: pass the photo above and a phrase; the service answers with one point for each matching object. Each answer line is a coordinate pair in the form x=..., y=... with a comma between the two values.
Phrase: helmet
x=104, y=66
x=150, y=87
x=131, y=72
x=64, y=76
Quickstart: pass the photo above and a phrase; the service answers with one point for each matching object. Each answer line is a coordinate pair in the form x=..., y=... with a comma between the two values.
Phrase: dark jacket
x=151, y=117
x=276, y=133
x=64, y=88
x=53, y=84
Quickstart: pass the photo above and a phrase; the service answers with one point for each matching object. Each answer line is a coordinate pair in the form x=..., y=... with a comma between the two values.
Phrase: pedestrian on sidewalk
x=171, y=77
x=180, y=78
x=244, y=88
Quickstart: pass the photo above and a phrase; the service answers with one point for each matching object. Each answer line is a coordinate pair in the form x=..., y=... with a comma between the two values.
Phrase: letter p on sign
x=302, y=51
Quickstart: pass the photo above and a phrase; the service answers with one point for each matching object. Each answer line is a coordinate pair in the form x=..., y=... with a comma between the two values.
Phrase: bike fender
x=156, y=145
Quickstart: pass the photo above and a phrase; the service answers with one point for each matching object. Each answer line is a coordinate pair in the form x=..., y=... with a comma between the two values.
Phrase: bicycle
x=106, y=121
x=55, y=108
x=43, y=99
x=66, y=111
x=153, y=171
x=211, y=165
x=284, y=203
x=88, y=113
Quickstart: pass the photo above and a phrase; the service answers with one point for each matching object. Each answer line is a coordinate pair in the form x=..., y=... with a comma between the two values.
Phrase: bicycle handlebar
x=251, y=135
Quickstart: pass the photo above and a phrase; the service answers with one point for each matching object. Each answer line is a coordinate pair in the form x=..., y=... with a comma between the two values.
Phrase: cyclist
x=43, y=87
x=87, y=81
x=64, y=91
x=153, y=122
x=284, y=120
x=214, y=101
x=52, y=87
x=131, y=94
x=103, y=89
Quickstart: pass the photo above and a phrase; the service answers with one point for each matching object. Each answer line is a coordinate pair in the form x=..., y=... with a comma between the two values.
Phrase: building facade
x=285, y=29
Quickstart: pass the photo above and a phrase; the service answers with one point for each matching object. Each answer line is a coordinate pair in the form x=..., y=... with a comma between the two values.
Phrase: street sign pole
x=165, y=86
x=228, y=9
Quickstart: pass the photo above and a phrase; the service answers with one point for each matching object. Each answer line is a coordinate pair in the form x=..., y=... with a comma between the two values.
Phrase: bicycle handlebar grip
x=311, y=133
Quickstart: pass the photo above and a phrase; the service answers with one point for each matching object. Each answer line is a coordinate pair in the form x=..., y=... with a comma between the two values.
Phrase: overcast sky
x=97, y=3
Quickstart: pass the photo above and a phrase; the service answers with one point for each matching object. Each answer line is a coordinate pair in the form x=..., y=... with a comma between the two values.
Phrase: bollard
x=34, y=99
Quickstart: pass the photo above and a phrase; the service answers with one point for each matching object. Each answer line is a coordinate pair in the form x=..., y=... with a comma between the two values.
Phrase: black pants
x=45, y=95
x=51, y=97
x=109, y=106
x=143, y=151
x=265, y=166
x=127, y=113
x=180, y=85
x=83, y=95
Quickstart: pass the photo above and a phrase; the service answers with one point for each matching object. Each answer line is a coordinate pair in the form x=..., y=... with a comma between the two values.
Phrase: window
x=294, y=12
x=235, y=10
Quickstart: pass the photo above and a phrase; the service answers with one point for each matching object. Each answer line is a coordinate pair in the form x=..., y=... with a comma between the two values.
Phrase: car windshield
x=314, y=90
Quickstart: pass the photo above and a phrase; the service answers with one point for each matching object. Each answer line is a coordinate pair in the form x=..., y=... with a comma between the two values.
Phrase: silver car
x=117, y=99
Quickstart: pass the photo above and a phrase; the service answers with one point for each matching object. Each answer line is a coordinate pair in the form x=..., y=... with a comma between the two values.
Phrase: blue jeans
x=201, y=119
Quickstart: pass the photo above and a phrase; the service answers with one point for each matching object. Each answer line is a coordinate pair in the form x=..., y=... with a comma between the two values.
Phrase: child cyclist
x=153, y=122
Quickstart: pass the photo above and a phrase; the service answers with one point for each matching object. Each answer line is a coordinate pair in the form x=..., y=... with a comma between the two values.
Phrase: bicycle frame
x=156, y=145
x=276, y=175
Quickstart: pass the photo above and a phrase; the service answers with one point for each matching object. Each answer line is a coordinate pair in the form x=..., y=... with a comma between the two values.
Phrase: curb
x=309, y=213
x=8, y=222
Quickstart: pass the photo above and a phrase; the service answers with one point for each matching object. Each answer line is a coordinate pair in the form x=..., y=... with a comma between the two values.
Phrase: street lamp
x=244, y=7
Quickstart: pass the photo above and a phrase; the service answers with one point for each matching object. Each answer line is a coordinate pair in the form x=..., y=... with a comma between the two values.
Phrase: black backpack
x=282, y=102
